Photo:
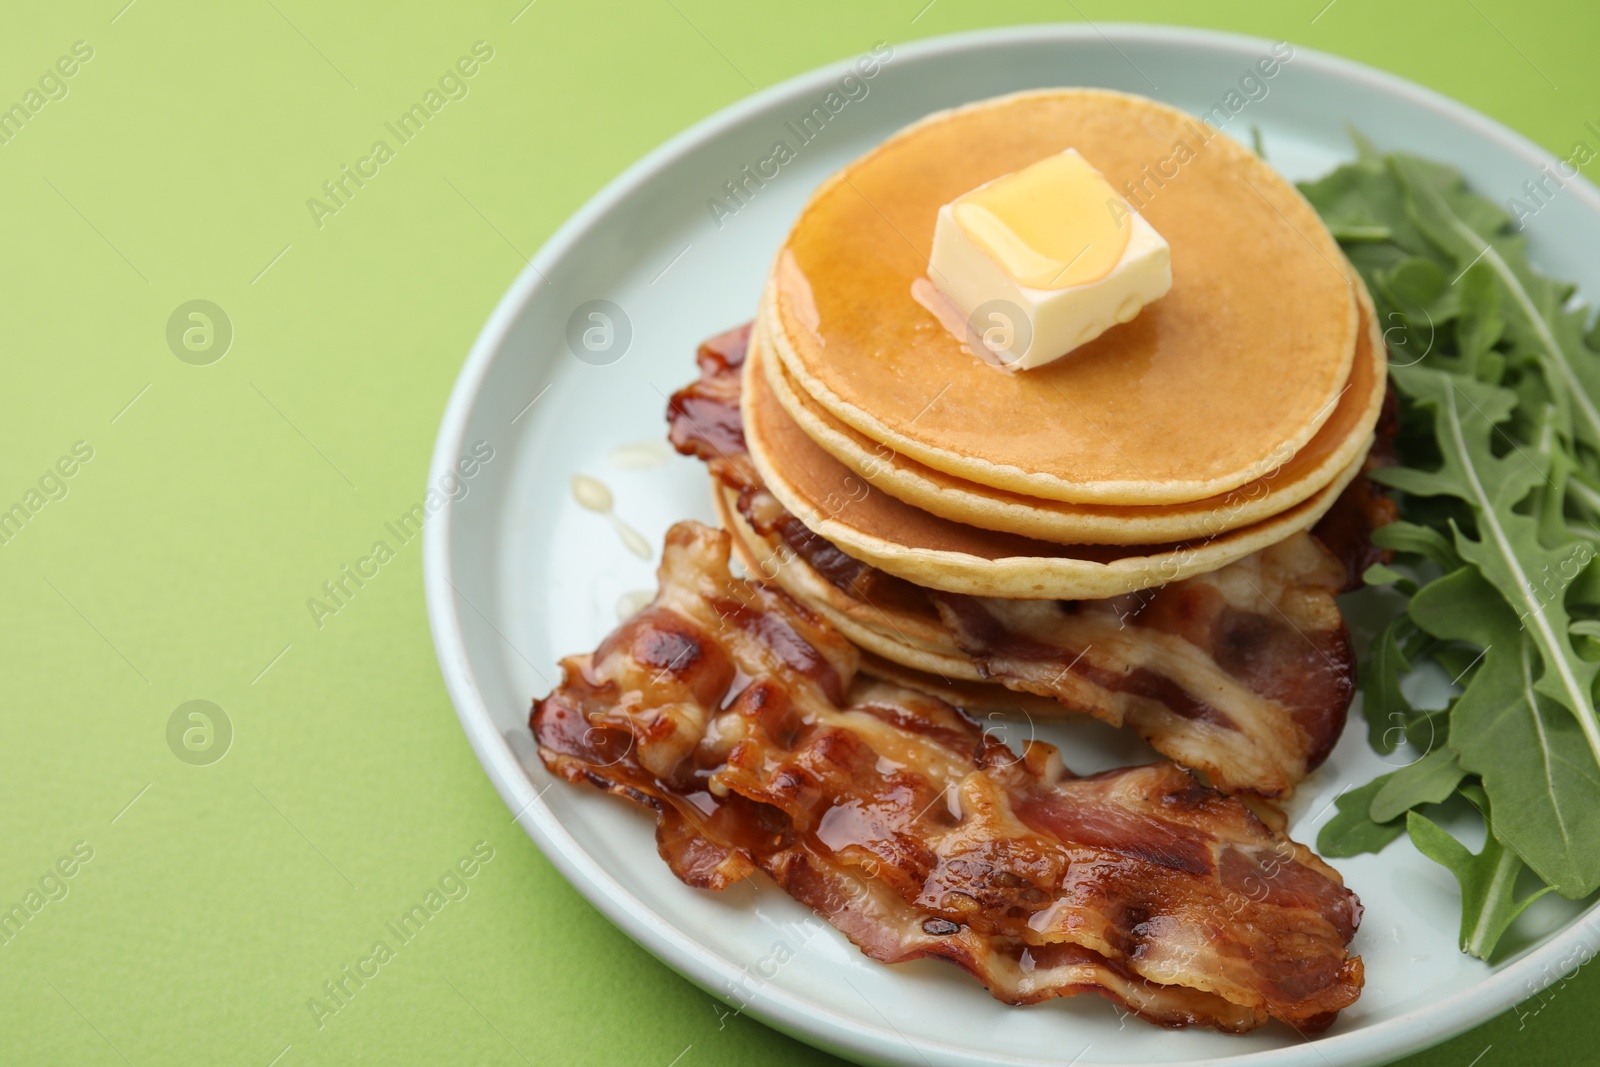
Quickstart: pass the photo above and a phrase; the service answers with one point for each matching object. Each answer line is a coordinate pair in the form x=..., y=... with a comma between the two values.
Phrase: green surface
x=175, y=564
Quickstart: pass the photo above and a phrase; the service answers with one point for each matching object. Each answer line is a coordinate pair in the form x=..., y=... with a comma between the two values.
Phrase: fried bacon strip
x=737, y=715
x=1245, y=673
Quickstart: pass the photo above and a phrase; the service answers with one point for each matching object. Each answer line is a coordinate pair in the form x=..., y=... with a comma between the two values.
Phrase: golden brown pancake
x=1343, y=436
x=937, y=553
x=1201, y=393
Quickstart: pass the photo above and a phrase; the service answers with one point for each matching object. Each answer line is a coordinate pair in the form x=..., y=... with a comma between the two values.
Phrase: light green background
x=178, y=564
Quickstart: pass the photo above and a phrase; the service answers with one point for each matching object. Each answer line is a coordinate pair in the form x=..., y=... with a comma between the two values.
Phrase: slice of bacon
x=1245, y=673
x=736, y=714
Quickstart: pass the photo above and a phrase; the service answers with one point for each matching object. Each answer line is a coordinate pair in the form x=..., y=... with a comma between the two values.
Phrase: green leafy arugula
x=1498, y=486
x=1488, y=878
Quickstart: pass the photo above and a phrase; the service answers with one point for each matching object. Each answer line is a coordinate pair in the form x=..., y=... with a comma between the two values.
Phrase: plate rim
x=788, y=1012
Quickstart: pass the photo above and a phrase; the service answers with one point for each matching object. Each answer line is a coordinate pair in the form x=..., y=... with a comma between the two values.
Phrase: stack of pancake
x=1223, y=420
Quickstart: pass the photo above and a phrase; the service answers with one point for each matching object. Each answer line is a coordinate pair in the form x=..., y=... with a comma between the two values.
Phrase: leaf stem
x=1585, y=494
x=1480, y=941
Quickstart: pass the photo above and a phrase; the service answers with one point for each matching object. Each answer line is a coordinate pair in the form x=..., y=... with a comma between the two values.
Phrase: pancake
x=936, y=553
x=1200, y=394
x=1341, y=438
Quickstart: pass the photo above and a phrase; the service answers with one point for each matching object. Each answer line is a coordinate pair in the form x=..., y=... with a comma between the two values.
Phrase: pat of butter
x=1046, y=259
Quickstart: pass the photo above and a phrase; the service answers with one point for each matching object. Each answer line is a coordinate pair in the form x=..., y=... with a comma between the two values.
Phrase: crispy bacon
x=736, y=715
x=703, y=417
x=703, y=420
x=1245, y=673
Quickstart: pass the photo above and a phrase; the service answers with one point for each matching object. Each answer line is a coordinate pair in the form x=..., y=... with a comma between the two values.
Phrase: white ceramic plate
x=519, y=574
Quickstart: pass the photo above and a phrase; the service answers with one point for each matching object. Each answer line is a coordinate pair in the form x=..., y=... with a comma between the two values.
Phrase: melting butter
x=1042, y=261
x=1049, y=225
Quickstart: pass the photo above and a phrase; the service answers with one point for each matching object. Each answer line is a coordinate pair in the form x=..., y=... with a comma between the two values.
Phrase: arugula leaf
x=1458, y=661
x=1488, y=880
x=1546, y=789
x=1352, y=831
x=1386, y=708
x=1424, y=541
x=1550, y=499
x=1498, y=487
x=1584, y=592
x=1418, y=287
x=1383, y=574
x=1364, y=196
x=1480, y=327
x=1528, y=750
x=1530, y=577
x=1430, y=780
x=1356, y=231
x=1471, y=230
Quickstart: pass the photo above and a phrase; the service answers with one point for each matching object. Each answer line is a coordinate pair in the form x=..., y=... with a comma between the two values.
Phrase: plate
x=570, y=376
